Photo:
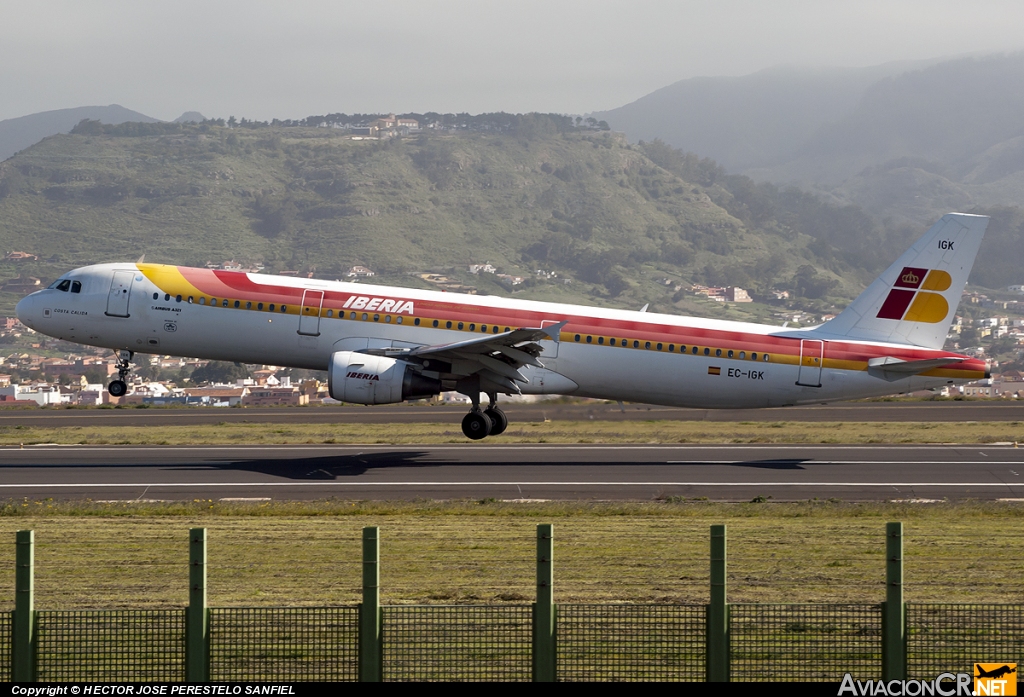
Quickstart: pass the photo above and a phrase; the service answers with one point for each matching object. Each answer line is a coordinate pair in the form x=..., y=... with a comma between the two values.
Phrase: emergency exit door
x=309, y=313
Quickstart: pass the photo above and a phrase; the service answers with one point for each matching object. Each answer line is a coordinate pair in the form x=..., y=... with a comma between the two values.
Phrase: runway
x=519, y=472
x=517, y=413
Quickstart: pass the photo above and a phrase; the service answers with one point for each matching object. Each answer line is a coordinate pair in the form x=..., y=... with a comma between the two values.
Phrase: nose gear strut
x=118, y=388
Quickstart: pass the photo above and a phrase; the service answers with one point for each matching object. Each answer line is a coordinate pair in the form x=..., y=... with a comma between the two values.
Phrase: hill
x=902, y=141
x=18, y=134
x=617, y=223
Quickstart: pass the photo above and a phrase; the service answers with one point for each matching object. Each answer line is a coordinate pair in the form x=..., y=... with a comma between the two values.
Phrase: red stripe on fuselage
x=237, y=285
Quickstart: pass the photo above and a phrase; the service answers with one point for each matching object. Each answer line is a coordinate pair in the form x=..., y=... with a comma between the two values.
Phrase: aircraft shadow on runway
x=329, y=468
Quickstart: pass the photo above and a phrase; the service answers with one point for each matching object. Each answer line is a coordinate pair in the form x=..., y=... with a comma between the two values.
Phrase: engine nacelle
x=365, y=379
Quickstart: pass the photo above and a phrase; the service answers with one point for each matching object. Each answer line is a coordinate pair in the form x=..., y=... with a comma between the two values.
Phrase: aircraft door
x=120, y=293
x=812, y=356
x=309, y=315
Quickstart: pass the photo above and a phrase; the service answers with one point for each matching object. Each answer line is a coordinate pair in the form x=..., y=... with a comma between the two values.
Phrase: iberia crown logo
x=910, y=300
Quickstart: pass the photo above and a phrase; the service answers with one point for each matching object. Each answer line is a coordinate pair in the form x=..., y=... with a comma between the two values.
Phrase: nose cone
x=25, y=309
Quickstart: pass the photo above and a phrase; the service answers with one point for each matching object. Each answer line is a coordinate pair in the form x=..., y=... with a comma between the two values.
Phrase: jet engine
x=365, y=379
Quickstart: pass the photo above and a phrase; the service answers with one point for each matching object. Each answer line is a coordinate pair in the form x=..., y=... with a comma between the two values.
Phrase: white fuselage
x=657, y=359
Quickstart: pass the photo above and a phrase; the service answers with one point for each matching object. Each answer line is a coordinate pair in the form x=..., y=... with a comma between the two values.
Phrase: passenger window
x=365, y=317
x=448, y=325
x=730, y=353
x=387, y=319
x=483, y=328
x=494, y=330
x=224, y=302
x=202, y=301
x=415, y=321
x=399, y=320
x=330, y=313
x=248, y=306
x=611, y=342
x=270, y=307
x=718, y=352
x=177, y=299
x=238, y=304
x=753, y=356
x=190, y=300
x=636, y=344
x=352, y=316
x=590, y=339
x=671, y=348
x=694, y=351
x=260, y=306
x=647, y=344
x=659, y=347
x=764, y=357
x=167, y=297
x=284, y=308
x=707, y=352
x=376, y=318
x=600, y=339
x=460, y=326
x=743, y=355
x=472, y=327
x=435, y=322
x=507, y=329
x=155, y=296
x=577, y=337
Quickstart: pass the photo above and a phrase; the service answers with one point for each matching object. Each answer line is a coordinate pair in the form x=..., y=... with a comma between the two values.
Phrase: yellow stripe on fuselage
x=169, y=279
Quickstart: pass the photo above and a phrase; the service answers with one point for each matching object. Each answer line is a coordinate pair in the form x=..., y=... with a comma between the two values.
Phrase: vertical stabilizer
x=914, y=301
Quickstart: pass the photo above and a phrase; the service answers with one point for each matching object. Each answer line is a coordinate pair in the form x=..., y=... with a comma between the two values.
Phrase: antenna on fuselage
x=644, y=308
x=141, y=259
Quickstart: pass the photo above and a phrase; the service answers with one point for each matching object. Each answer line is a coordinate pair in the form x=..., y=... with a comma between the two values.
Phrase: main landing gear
x=119, y=388
x=479, y=423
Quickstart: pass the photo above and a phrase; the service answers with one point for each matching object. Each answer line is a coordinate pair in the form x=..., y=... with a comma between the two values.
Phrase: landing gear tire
x=118, y=388
x=476, y=425
x=499, y=422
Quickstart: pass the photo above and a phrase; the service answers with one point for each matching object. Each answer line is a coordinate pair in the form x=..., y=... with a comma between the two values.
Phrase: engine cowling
x=364, y=379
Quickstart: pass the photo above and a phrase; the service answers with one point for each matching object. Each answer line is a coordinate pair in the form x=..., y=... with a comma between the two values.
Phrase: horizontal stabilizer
x=891, y=368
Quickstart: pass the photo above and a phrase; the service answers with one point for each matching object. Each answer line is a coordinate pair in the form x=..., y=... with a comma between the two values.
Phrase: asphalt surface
x=519, y=472
x=851, y=411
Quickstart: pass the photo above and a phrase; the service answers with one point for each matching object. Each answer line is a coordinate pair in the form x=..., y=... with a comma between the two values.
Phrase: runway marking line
x=120, y=485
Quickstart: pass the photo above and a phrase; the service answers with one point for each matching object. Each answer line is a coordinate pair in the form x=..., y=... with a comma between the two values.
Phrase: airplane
x=383, y=345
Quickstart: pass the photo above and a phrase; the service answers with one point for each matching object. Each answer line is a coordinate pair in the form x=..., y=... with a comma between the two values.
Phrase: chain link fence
x=631, y=642
x=951, y=638
x=284, y=644
x=458, y=642
x=6, y=646
x=110, y=645
x=804, y=642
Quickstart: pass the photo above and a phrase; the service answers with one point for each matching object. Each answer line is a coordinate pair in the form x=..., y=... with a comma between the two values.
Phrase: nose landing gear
x=119, y=388
x=491, y=421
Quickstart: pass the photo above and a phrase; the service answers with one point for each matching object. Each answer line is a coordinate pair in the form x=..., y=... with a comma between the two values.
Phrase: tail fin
x=914, y=301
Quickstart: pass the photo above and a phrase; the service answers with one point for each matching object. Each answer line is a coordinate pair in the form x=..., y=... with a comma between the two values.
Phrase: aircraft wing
x=892, y=368
x=495, y=358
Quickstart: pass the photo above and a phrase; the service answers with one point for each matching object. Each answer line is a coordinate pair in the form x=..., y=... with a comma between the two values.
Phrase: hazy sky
x=291, y=59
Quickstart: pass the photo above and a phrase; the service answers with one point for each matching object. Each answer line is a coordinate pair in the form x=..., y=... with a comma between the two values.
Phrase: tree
x=220, y=371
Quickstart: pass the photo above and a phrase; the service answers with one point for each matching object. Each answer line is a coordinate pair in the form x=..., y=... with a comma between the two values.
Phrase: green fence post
x=371, y=654
x=197, y=617
x=544, y=610
x=717, y=659
x=894, y=616
x=23, y=649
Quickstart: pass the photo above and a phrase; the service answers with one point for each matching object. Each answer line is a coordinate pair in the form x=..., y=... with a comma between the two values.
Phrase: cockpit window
x=64, y=285
x=76, y=286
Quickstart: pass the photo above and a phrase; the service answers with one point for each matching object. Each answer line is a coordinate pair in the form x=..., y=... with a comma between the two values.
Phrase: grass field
x=91, y=555
x=223, y=433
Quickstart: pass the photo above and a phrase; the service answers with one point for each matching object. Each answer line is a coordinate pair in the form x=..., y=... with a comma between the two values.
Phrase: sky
x=292, y=59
